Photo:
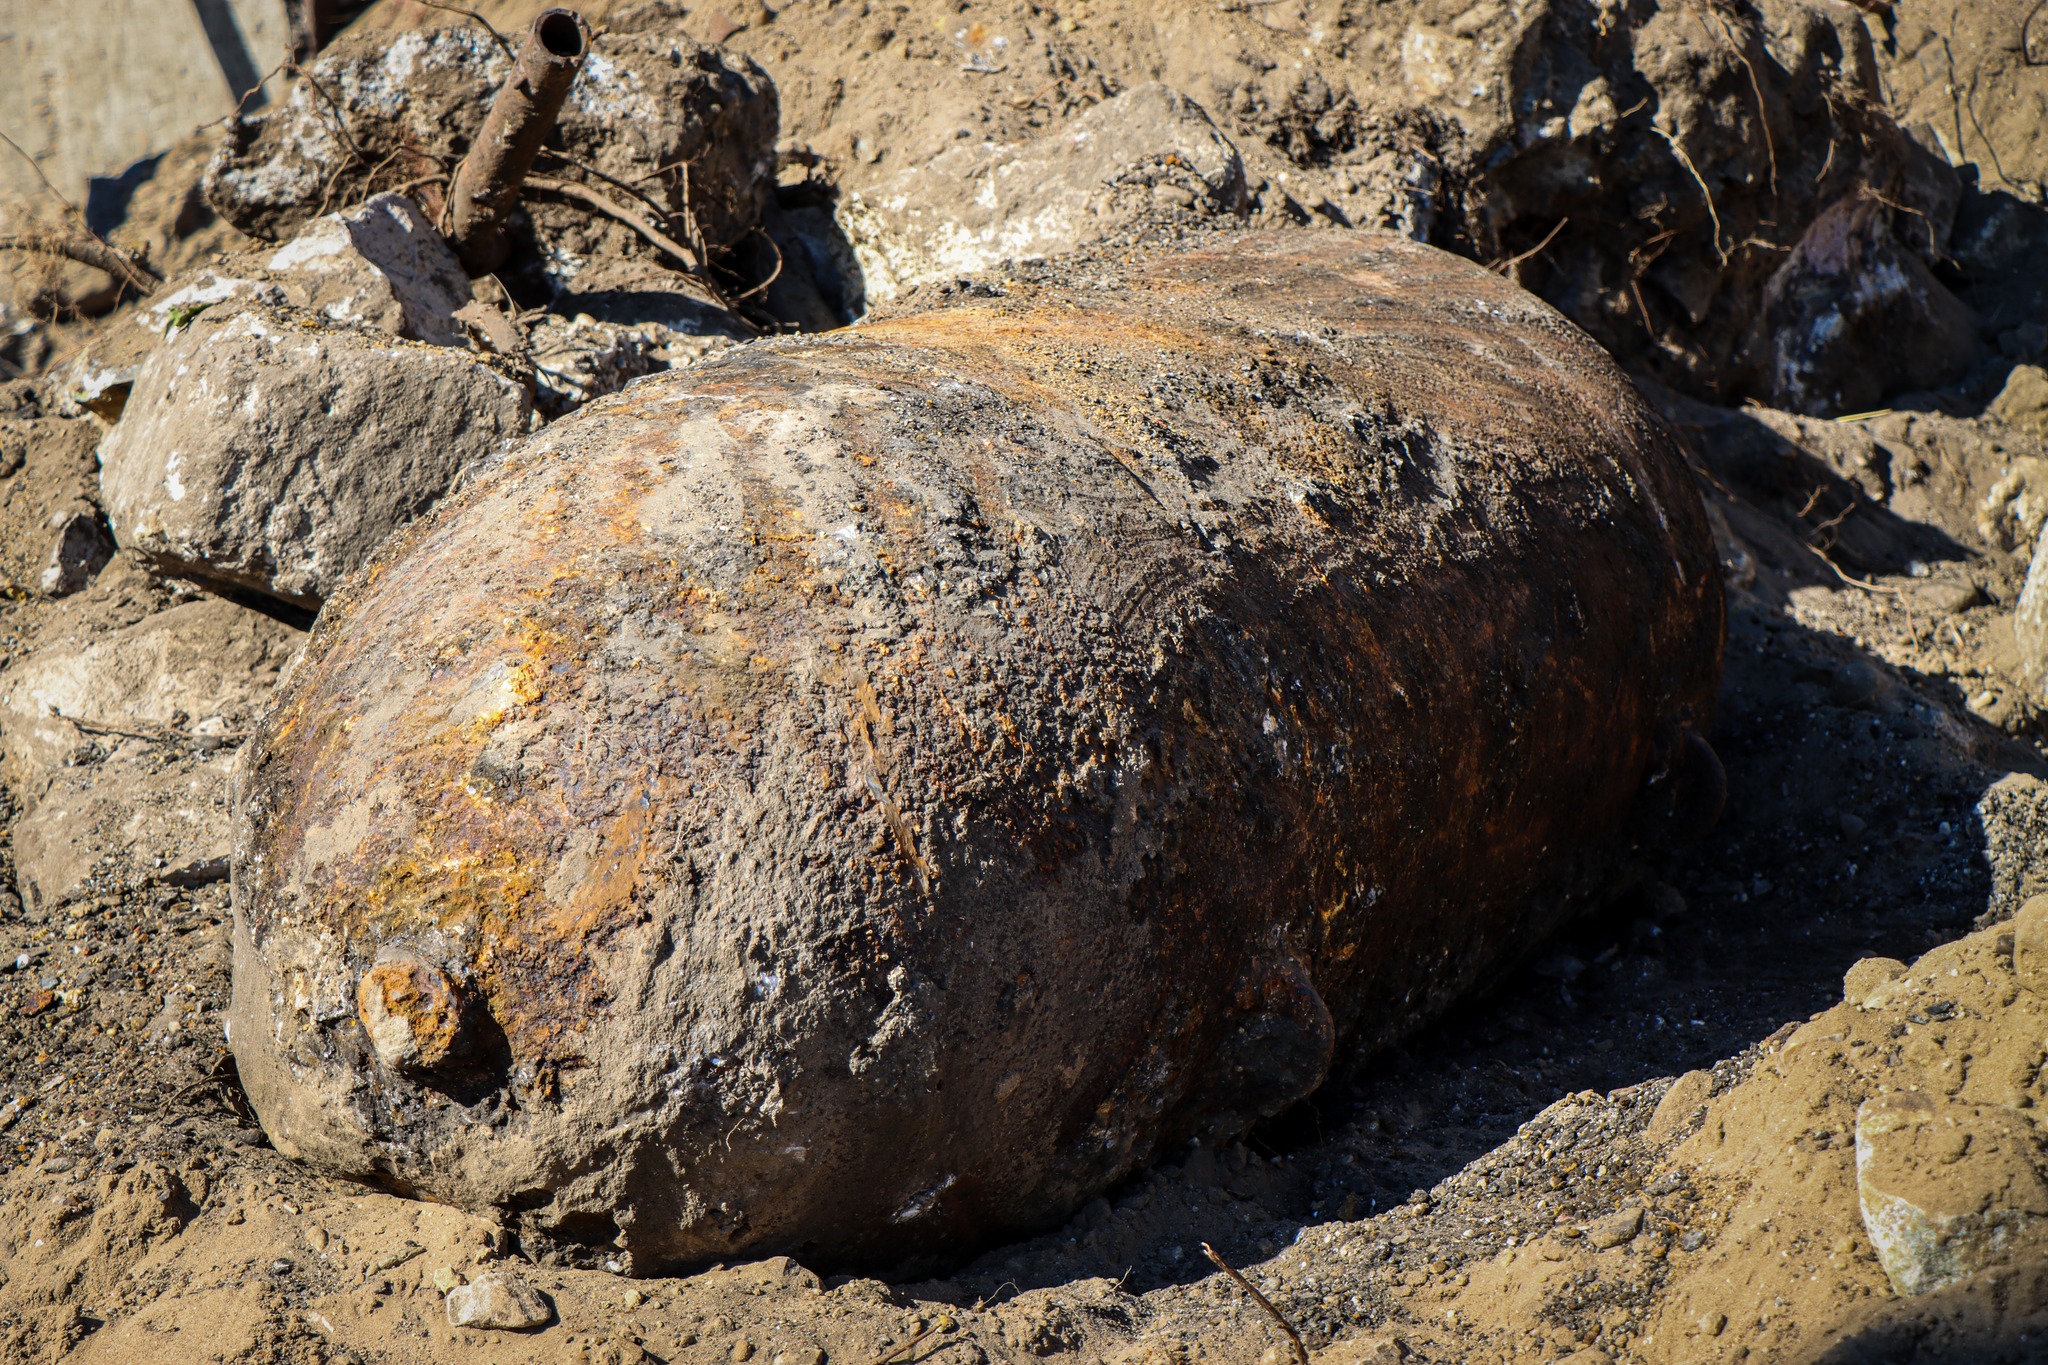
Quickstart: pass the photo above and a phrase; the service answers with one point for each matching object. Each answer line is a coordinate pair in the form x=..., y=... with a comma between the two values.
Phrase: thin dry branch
x=1503, y=267
x=496, y=36
x=1300, y=1351
x=894, y=1351
x=93, y=251
x=611, y=208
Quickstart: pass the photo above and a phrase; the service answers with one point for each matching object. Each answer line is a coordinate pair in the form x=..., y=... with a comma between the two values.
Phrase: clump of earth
x=1776, y=1102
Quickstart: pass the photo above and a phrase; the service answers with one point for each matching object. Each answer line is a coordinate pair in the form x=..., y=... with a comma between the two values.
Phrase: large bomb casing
x=863, y=795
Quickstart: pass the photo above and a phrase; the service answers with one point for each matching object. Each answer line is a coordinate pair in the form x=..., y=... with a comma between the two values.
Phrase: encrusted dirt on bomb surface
x=755, y=750
x=1861, y=726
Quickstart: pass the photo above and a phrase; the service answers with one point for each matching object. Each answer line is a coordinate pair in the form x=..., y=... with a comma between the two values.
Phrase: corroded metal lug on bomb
x=867, y=793
x=410, y=1010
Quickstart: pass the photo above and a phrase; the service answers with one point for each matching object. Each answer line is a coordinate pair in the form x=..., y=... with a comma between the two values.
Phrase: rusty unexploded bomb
x=864, y=794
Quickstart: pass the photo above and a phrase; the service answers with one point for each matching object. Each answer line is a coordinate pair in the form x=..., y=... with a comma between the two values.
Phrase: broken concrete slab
x=1148, y=150
x=121, y=746
x=380, y=263
x=130, y=816
x=272, y=450
x=204, y=669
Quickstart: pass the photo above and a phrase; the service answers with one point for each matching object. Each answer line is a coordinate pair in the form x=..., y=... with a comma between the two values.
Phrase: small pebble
x=500, y=1301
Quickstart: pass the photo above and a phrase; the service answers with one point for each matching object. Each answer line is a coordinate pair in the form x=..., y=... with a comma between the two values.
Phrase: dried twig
x=496, y=36
x=37, y=167
x=1300, y=1351
x=894, y=1351
x=773, y=275
x=93, y=251
x=152, y=736
x=1686, y=161
x=611, y=208
x=1763, y=114
x=284, y=66
x=628, y=186
x=90, y=248
x=1503, y=267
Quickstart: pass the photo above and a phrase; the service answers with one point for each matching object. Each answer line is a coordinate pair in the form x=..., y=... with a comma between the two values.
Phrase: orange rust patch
x=411, y=1010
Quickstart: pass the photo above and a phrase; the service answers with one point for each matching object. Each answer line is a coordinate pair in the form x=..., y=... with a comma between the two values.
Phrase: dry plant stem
x=1507, y=266
x=154, y=736
x=1294, y=1337
x=496, y=36
x=894, y=1351
x=93, y=252
x=612, y=208
x=1700, y=180
x=1763, y=113
x=594, y=173
x=486, y=187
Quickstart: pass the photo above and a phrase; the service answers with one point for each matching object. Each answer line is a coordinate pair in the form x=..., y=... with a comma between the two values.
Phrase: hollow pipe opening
x=560, y=32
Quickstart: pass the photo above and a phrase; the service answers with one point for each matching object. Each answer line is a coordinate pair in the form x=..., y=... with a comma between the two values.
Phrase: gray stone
x=1150, y=149
x=1852, y=316
x=269, y=449
x=121, y=747
x=498, y=1300
x=1948, y=1188
x=1615, y=1229
x=380, y=263
x=79, y=550
x=204, y=669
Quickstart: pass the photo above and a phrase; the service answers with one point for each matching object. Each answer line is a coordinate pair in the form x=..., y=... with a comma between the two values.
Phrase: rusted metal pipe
x=486, y=187
x=876, y=789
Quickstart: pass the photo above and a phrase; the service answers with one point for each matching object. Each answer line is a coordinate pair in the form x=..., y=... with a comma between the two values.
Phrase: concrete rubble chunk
x=645, y=103
x=975, y=205
x=1948, y=1188
x=121, y=746
x=755, y=750
x=269, y=449
x=499, y=1300
x=1852, y=316
x=79, y=549
x=380, y=263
